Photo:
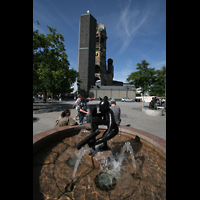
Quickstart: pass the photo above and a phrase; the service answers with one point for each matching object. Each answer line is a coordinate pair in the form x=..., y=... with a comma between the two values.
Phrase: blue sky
x=136, y=29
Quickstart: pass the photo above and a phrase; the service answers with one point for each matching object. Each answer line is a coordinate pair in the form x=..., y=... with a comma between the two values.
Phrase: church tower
x=92, y=54
x=101, y=72
x=86, y=52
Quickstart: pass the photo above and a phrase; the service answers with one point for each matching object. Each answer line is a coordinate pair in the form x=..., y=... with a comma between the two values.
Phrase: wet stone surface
x=51, y=173
x=105, y=181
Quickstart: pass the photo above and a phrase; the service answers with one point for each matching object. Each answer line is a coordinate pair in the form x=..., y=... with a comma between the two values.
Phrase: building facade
x=116, y=92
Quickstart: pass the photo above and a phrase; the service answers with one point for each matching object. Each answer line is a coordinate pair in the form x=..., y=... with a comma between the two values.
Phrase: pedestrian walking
x=81, y=105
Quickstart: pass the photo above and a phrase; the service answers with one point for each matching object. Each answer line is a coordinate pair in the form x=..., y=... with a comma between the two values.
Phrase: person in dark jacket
x=116, y=110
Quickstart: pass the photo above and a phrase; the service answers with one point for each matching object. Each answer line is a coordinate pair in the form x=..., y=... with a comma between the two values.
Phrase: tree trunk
x=143, y=101
x=45, y=95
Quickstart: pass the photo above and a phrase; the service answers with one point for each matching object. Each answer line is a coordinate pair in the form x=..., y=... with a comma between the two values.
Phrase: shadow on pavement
x=50, y=107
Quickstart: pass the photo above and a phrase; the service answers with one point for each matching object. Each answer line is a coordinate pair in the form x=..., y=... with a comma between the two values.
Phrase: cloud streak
x=132, y=22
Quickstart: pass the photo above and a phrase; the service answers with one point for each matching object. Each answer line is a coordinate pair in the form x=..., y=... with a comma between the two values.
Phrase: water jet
x=50, y=169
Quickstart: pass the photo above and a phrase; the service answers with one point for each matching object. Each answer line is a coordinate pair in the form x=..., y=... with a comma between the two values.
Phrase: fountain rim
x=44, y=138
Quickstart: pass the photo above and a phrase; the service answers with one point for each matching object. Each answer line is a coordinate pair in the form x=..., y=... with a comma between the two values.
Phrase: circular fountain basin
x=153, y=112
x=52, y=150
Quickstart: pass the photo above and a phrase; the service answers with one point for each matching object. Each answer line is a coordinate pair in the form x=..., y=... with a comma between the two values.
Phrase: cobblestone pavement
x=45, y=115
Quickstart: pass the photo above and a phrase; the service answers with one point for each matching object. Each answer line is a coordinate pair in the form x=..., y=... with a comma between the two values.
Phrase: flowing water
x=79, y=155
x=51, y=174
x=81, y=131
x=113, y=164
x=127, y=147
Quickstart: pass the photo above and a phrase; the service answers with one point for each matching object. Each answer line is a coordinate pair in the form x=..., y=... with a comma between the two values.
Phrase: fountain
x=153, y=109
x=135, y=168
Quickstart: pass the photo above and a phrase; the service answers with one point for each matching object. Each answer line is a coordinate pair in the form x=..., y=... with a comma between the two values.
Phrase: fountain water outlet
x=70, y=186
x=127, y=147
x=100, y=155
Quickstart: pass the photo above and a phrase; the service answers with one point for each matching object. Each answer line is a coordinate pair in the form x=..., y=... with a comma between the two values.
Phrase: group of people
x=155, y=102
x=81, y=107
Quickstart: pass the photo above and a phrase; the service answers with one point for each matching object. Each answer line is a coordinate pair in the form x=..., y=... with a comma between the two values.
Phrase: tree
x=51, y=71
x=158, y=88
x=143, y=78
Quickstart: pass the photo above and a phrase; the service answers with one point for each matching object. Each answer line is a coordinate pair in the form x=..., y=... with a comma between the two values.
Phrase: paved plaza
x=45, y=115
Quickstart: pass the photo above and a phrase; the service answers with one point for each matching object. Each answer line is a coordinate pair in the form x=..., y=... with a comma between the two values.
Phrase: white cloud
x=130, y=21
x=136, y=21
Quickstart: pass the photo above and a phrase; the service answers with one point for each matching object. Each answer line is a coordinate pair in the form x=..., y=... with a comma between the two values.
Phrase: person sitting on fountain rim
x=64, y=119
x=106, y=117
x=116, y=110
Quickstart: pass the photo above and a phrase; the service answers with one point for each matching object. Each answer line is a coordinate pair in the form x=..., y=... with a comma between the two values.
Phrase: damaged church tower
x=105, y=75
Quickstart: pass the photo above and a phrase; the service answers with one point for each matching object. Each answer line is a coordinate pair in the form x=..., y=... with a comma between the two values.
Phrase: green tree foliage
x=51, y=71
x=143, y=78
x=158, y=88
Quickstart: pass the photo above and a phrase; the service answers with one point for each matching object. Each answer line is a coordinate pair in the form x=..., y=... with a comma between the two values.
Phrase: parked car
x=127, y=100
x=138, y=99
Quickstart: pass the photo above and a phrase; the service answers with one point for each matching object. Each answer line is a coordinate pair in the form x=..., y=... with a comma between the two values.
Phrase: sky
x=136, y=29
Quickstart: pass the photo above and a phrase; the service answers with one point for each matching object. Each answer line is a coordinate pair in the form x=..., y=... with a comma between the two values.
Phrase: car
x=127, y=100
x=138, y=99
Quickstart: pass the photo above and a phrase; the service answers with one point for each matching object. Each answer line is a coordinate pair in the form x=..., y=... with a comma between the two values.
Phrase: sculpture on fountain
x=153, y=104
x=105, y=117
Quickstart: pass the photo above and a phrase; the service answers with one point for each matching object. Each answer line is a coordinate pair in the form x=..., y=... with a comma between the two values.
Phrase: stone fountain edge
x=44, y=138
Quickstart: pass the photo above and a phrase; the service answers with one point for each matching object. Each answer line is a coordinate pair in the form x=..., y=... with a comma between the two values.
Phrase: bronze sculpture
x=106, y=117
